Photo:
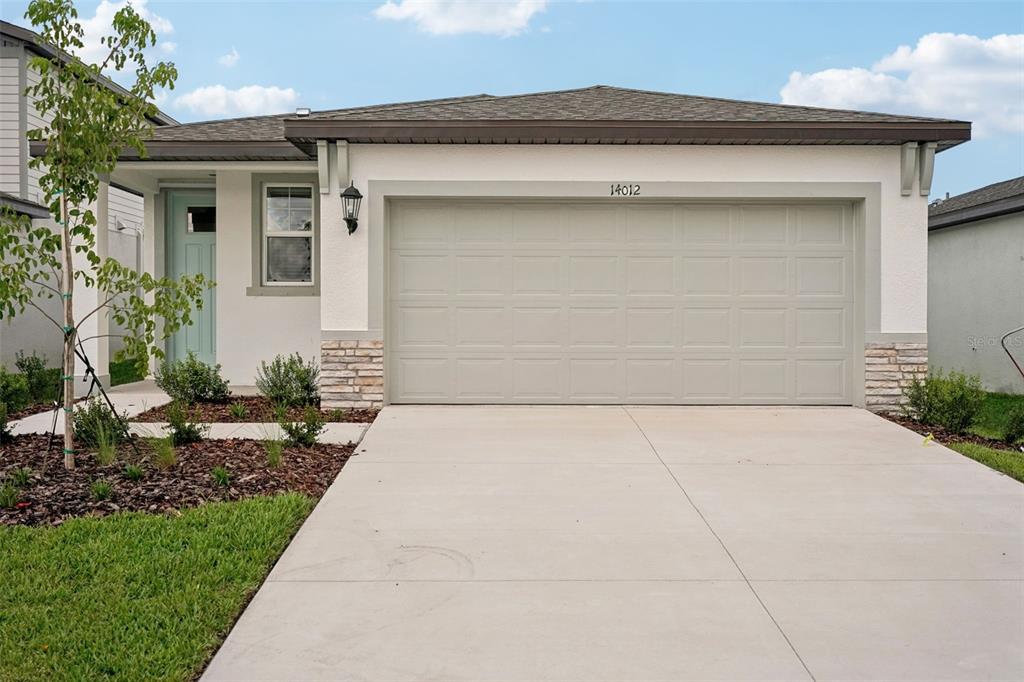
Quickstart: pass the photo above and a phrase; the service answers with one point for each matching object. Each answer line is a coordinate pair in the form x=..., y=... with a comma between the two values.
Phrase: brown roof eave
x=947, y=133
x=206, y=151
x=972, y=214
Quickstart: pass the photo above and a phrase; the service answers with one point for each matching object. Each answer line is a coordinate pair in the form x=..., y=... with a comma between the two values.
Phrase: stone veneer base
x=888, y=369
x=351, y=374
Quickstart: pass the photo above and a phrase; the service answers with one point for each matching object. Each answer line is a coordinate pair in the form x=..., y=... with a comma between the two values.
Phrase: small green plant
x=8, y=495
x=306, y=432
x=275, y=451
x=164, y=455
x=951, y=402
x=14, y=390
x=337, y=415
x=94, y=418
x=101, y=490
x=192, y=381
x=280, y=413
x=182, y=428
x=289, y=380
x=5, y=430
x=133, y=472
x=106, y=446
x=42, y=382
x=238, y=410
x=21, y=477
x=221, y=476
x=1013, y=433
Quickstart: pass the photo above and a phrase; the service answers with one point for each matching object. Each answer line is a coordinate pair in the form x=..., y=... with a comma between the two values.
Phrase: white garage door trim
x=637, y=340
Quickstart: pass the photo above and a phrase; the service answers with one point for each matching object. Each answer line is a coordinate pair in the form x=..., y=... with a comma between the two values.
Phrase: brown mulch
x=257, y=409
x=943, y=436
x=55, y=494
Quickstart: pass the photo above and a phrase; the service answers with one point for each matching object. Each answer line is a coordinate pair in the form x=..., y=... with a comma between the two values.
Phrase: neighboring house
x=600, y=245
x=976, y=283
x=19, y=189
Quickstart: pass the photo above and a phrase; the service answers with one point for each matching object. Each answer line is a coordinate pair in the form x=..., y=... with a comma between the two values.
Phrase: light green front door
x=192, y=250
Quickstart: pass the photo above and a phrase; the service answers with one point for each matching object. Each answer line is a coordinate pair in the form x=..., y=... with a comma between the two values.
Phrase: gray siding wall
x=975, y=295
x=10, y=119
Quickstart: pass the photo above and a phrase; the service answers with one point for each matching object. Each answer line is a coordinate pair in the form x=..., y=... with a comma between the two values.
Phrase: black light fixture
x=350, y=200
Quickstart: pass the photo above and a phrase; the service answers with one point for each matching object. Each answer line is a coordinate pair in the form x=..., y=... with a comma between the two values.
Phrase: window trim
x=266, y=234
x=258, y=286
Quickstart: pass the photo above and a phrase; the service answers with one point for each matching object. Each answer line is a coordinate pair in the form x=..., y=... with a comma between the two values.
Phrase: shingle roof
x=606, y=103
x=976, y=197
x=596, y=103
x=986, y=202
x=593, y=115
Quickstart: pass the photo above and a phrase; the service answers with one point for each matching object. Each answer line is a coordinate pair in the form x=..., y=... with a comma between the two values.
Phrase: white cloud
x=451, y=17
x=100, y=25
x=230, y=59
x=945, y=75
x=249, y=100
x=167, y=46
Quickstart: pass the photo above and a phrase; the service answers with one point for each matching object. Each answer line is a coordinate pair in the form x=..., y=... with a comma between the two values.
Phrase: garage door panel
x=706, y=225
x=601, y=303
x=821, y=379
x=707, y=276
x=763, y=226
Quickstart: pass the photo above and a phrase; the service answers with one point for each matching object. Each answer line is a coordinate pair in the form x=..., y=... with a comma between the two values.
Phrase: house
x=600, y=245
x=976, y=283
x=19, y=190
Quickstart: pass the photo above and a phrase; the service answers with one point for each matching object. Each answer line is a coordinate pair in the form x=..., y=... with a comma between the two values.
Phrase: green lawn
x=1007, y=461
x=134, y=596
x=991, y=421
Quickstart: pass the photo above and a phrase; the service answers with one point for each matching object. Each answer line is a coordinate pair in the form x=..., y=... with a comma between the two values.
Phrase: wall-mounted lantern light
x=350, y=200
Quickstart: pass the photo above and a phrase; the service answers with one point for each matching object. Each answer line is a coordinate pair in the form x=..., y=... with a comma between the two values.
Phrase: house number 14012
x=625, y=190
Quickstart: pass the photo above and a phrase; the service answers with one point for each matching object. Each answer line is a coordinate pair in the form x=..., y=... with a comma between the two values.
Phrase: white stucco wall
x=903, y=240
x=975, y=295
x=253, y=328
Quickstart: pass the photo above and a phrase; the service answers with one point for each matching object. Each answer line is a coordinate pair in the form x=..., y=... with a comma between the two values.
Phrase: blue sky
x=334, y=54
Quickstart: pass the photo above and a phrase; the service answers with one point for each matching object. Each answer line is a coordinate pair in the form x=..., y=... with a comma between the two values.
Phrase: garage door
x=520, y=302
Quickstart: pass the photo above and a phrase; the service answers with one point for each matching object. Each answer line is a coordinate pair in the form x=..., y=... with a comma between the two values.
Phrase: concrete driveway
x=603, y=543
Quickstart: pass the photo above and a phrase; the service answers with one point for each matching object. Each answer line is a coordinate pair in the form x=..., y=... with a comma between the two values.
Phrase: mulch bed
x=257, y=409
x=54, y=494
x=943, y=436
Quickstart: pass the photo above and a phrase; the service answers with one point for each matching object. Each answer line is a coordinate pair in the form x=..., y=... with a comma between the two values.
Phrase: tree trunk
x=70, y=334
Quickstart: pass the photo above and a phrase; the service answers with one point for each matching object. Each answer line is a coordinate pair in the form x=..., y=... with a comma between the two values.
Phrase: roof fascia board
x=975, y=213
x=951, y=132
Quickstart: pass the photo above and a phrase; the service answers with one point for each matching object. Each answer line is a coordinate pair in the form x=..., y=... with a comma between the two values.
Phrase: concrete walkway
x=645, y=544
x=136, y=398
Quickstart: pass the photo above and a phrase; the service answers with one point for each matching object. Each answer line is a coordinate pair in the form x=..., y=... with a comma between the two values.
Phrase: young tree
x=89, y=127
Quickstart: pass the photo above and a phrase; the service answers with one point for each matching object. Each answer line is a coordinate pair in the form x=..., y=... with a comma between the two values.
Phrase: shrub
x=951, y=402
x=5, y=430
x=220, y=476
x=183, y=429
x=133, y=472
x=21, y=477
x=275, y=451
x=42, y=382
x=14, y=391
x=164, y=456
x=192, y=381
x=238, y=410
x=8, y=495
x=306, y=432
x=101, y=490
x=1014, y=431
x=96, y=422
x=289, y=381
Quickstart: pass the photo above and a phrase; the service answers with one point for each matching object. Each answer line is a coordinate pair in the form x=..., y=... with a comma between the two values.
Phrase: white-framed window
x=288, y=234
